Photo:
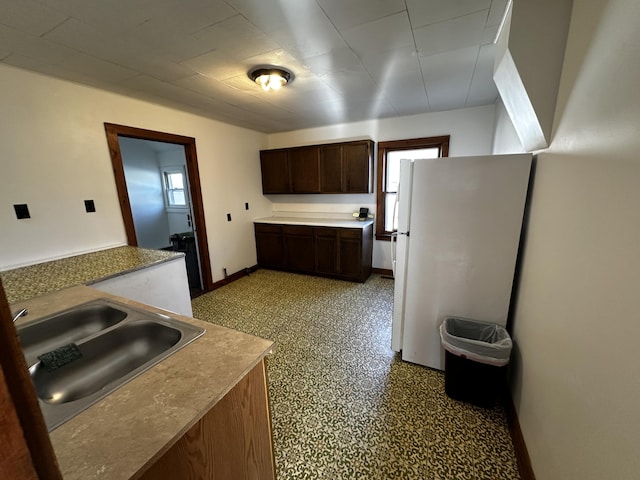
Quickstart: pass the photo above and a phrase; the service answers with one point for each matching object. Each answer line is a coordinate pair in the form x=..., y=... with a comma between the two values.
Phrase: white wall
x=471, y=133
x=146, y=193
x=54, y=155
x=577, y=329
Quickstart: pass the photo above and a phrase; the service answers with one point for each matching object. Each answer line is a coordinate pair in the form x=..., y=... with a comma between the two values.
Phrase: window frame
x=169, y=207
x=440, y=142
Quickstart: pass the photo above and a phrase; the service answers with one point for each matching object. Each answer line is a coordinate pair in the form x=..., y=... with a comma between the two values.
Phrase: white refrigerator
x=454, y=255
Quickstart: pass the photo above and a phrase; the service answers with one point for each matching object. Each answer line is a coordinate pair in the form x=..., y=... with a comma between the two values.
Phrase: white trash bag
x=478, y=341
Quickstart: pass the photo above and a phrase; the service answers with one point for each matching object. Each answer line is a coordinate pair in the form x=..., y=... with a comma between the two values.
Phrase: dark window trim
x=442, y=142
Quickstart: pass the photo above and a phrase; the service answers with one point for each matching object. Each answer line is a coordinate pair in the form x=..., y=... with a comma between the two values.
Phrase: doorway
x=185, y=200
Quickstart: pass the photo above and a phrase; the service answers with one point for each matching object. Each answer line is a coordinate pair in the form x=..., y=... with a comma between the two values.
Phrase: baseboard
x=522, y=455
x=233, y=277
x=383, y=271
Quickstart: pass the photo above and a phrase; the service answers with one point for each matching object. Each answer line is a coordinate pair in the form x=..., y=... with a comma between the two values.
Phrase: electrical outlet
x=22, y=211
x=228, y=217
x=224, y=270
x=246, y=206
x=89, y=206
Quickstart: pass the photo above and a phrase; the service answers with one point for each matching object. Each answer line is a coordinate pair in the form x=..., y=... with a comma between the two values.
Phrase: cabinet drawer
x=351, y=233
x=267, y=228
x=302, y=230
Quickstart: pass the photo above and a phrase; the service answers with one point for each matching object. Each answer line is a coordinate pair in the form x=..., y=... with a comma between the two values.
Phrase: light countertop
x=318, y=222
x=119, y=436
x=34, y=280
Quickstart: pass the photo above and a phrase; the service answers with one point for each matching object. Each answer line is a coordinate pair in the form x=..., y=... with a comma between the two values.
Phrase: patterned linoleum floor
x=343, y=405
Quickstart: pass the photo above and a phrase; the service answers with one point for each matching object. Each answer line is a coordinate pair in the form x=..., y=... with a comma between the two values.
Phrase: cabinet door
x=269, y=245
x=275, y=171
x=326, y=250
x=299, y=248
x=304, y=164
x=350, y=252
x=331, y=171
x=358, y=167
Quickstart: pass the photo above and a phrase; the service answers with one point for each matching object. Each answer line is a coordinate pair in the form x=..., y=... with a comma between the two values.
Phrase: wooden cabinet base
x=343, y=253
x=233, y=440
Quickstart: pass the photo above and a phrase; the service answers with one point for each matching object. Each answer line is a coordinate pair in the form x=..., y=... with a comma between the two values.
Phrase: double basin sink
x=112, y=344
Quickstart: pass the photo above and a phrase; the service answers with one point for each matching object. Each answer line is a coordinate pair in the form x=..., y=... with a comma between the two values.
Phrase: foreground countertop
x=121, y=435
x=27, y=282
x=319, y=222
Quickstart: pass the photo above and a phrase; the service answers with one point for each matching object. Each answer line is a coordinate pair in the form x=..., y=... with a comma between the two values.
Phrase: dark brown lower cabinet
x=344, y=253
x=326, y=251
x=298, y=248
x=271, y=251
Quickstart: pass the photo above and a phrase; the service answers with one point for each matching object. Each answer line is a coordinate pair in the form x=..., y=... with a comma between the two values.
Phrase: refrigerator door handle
x=394, y=238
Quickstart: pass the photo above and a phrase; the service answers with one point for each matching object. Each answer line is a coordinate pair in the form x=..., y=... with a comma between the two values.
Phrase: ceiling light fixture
x=270, y=78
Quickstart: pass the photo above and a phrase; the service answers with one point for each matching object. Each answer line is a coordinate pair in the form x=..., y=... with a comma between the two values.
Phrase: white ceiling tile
x=266, y=109
x=337, y=59
x=30, y=16
x=448, y=77
x=351, y=60
x=295, y=100
x=214, y=64
x=483, y=90
x=188, y=17
x=174, y=47
x=450, y=35
x=115, y=16
x=407, y=94
x=428, y=12
x=267, y=16
x=237, y=37
x=387, y=33
x=244, y=83
x=355, y=83
x=32, y=46
x=496, y=13
x=356, y=12
x=40, y=66
x=92, y=66
x=81, y=36
x=300, y=26
x=213, y=89
x=155, y=66
x=383, y=65
x=160, y=89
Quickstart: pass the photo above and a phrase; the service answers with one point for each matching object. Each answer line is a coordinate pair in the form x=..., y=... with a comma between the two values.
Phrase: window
x=389, y=156
x=175, y=187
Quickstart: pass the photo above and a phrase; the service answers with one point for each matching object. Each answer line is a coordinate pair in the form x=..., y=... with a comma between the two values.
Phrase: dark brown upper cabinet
x=304, y=165
x=275, y=171
x=345, y=167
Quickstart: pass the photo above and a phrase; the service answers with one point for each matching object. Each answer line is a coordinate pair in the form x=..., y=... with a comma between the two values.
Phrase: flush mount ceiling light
x=270, y=78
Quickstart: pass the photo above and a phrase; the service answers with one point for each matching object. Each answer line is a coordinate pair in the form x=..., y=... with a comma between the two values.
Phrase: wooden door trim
x=189, y=143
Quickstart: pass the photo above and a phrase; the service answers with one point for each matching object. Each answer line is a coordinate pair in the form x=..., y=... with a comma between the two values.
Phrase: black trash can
x=476, y=359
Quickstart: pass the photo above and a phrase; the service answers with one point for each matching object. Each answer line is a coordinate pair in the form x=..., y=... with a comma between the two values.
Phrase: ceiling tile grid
x=351, y=60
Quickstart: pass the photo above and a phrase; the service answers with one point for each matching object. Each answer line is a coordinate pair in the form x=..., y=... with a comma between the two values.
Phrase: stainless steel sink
x=120, y=343
x=68, y=326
